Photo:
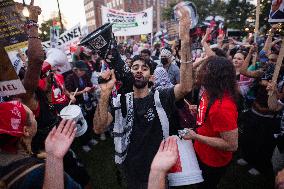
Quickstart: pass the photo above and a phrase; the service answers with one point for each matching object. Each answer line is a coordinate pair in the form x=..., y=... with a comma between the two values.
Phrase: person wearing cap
x=18, y=169
x=169, y=64
x=138, y=128
x=81, y=81
x=36, y=99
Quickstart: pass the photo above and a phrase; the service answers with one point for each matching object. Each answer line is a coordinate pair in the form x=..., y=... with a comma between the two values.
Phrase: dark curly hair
x=218, y=76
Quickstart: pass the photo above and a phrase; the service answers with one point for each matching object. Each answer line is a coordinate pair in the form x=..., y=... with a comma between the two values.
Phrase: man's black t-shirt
x=146, y=134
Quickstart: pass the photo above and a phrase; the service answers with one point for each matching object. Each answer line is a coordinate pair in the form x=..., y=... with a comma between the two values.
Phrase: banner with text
x=127, y=23
x=67, y=41
x=12, y=42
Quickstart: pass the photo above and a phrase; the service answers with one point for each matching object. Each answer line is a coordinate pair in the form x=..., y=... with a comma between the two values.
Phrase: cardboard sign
x=11, y=38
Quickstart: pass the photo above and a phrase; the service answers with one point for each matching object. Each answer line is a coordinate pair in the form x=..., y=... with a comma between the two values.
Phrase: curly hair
x=218, y=76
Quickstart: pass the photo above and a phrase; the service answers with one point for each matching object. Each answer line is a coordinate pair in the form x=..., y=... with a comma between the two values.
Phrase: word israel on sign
x=127, y=23
x=12, y=45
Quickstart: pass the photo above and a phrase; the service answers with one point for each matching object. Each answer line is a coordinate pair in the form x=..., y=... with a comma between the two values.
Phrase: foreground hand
x=166, y=156
x=190, y=135
x=59, y=139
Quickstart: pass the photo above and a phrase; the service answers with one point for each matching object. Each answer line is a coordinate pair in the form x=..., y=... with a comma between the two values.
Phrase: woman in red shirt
x=217, y=134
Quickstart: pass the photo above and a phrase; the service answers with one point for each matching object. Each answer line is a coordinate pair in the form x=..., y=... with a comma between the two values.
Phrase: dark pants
x=258, y=142
x=211, y=176
x=74, y=168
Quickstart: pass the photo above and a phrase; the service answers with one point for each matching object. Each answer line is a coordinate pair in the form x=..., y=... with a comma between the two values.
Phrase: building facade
x=93, y=13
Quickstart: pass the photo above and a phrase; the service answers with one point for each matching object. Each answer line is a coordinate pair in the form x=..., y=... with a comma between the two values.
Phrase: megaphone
x=103, y=42
x=99, y=40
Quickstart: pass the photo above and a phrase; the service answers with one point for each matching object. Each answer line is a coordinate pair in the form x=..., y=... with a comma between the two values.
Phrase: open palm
x=59, y=139
x=166, y=156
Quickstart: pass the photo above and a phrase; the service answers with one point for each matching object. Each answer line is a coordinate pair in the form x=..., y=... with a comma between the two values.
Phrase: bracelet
x=34, y=37
x=31, y=23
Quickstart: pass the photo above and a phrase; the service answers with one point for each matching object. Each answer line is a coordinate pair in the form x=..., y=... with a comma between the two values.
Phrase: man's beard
x=140, y=84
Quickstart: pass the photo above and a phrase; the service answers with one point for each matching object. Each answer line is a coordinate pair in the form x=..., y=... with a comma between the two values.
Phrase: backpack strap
x=16, y=174
x=162, y=114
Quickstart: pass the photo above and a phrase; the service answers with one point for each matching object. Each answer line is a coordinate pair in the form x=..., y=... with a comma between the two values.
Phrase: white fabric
x=166, y=53
x=123, y=126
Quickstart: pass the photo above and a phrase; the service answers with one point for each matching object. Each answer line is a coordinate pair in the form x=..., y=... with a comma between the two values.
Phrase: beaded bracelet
x=33, y=37
x=31, y=23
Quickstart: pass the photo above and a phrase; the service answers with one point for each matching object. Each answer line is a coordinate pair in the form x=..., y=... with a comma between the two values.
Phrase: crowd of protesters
x=239, y=109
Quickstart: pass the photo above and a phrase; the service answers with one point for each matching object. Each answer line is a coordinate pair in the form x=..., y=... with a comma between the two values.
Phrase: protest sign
x=276, y=14
x=12, y=37
x=17, y=55
x=54, y=36
x=127, y=23
x=66, y=41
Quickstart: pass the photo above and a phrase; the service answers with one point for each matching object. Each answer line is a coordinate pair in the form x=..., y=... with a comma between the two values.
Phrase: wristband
x=33, y=37
x=31, y=23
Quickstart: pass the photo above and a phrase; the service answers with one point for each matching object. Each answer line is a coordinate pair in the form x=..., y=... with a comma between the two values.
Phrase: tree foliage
x=45, y=29
x=235, y=12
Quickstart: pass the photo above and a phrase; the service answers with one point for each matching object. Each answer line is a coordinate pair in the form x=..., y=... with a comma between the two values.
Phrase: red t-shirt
x=58, y=95
x=222, y=117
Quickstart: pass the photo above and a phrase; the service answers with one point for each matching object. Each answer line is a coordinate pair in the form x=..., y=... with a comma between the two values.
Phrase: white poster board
x=127, y=23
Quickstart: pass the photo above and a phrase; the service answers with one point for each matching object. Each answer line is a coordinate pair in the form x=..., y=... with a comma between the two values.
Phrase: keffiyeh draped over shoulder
x=162, y=80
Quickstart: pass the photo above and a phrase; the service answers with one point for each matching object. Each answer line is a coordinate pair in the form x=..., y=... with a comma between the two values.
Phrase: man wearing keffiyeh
x=168, y=64
x=138, y=127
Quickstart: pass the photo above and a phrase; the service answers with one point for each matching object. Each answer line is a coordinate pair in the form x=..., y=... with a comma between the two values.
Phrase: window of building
x=91, y=22
x=89, y=5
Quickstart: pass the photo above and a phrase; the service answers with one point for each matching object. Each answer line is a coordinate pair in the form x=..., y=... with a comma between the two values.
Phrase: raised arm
x=36, y=58
x=186, y=81
x=207, y=49
x=244, y=69
x=103, y=118
x=57, y=144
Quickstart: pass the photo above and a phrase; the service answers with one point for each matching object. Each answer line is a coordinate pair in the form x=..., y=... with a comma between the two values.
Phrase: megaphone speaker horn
x=99, y=40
